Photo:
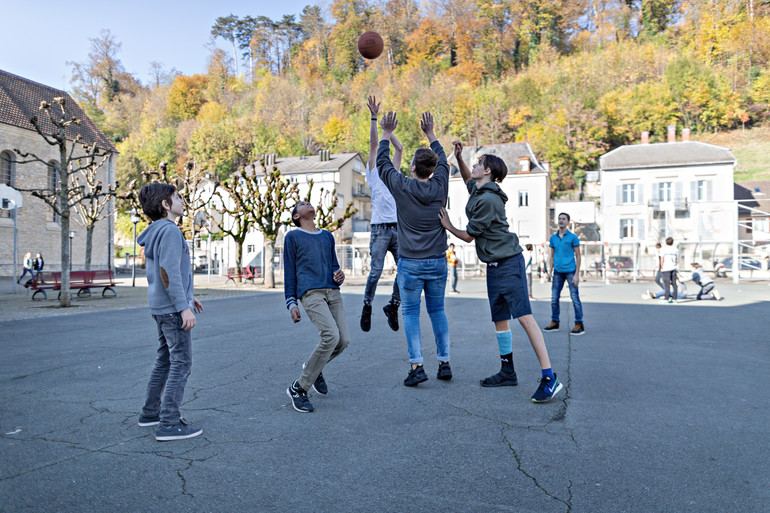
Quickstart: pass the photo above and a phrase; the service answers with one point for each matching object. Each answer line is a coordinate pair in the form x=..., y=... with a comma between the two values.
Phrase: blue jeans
x=454, y=278
x=384, y=238
x=429, y=275
x=556, y=286
x=171, y=370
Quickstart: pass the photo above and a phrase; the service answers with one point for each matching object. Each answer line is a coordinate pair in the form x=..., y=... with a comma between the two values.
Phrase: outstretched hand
x=426, y=123
x=444, y=217
x=374, y=107
x=458, y=151
x=389, y=122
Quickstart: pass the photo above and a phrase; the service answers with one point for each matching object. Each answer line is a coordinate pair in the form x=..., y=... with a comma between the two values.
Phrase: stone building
x=38, y=226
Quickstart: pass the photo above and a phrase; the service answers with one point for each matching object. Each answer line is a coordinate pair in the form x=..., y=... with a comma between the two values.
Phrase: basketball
x=370, y=45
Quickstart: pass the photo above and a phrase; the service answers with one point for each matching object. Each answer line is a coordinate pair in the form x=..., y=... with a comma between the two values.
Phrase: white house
x=527, y=185
x=681, y=189
x=341, y=171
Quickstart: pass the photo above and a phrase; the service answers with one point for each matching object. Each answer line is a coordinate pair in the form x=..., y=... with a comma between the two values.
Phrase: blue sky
x=172, y=32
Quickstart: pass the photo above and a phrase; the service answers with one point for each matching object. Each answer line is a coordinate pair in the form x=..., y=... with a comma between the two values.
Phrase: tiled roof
x=639, y=156
x=311, y=163
x=509, y=152
x=20, y=100
x=757, y=191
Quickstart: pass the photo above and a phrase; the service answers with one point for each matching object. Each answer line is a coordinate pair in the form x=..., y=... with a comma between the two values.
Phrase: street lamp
x=134, y=220
x=72, y=236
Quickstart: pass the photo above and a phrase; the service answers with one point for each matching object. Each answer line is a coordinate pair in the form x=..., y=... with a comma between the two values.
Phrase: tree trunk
x=268, y=270
x=239, y=257
x=89, y=245
x=64, y=292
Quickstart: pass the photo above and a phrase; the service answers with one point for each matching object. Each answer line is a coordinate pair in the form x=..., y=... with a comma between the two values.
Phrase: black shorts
x=507, y=289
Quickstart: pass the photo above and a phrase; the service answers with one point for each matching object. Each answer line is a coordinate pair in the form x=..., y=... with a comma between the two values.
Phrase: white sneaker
x=717, y=295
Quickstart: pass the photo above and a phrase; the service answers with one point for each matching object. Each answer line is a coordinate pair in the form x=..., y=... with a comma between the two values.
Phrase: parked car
x=200, y=263
x=621, y=263
x=745, y=263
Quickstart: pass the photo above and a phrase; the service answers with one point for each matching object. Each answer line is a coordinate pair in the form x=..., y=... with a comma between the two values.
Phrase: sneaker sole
x=506, y=383
x=558, y=388
x=444, y=378
x=551, y=330
x=577, y=333
x=318, y=391
x=416, y=383
x=177, y=437
x=292, y=403
x=149, y=424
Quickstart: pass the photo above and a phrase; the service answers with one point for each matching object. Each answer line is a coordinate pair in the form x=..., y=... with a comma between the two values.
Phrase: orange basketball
x=370, y=45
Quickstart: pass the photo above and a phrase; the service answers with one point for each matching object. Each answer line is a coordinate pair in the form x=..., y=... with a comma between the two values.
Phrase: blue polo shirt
x=563, y=254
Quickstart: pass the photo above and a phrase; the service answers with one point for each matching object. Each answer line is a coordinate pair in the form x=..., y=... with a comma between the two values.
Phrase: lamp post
x=134, y=220
x=72, y=236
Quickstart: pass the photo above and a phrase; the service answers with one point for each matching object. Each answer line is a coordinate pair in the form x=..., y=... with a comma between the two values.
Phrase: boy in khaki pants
x=312, y=275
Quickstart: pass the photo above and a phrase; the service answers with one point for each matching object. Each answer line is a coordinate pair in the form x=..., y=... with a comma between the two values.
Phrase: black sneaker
x=366, y=318
x=391, y=311
x=579, y=329
x=320, y=383
x=299, y=398
x=554, y=326
x=415, y=376
x=145, y=421
x=177, y=432
x=444, y=371
x=501, y=379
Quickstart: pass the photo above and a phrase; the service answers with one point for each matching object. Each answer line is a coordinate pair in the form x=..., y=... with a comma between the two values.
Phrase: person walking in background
x=421, y=242
x=451, y=261
x=669, y=261
x=38, y=264
x=313, y=276
x=658, y=273
x=528, y=269
x=26, y=265
x=384, y=225
x=565, y=267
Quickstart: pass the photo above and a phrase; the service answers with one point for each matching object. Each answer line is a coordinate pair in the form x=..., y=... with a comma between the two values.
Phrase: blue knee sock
x=548, y=373
x=504, y=341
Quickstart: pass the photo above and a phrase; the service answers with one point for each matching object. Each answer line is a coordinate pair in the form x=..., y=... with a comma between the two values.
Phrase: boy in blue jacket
x=172, y=305
x=313, y=276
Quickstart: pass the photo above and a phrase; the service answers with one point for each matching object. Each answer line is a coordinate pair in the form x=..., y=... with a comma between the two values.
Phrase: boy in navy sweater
x=312, y=275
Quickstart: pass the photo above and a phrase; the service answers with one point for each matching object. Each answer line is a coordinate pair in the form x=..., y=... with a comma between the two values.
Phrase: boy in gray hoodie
x=170, y=294
x=506, y=284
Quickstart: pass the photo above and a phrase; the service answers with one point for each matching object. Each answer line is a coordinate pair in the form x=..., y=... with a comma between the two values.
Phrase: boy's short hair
x=658, y=245
x=293, y=213
x=424, y=162
x=695, y=264
x=670, y=241
x=563, y=214
x=529, y=247
x=496, y=165
x=451, y=245
x=151, y=198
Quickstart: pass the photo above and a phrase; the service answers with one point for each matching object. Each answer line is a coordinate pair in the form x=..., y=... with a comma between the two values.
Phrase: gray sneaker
x=176, y=432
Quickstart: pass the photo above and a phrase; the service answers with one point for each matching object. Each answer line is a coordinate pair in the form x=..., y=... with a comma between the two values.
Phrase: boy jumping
x=312, y=275
x=506, y=284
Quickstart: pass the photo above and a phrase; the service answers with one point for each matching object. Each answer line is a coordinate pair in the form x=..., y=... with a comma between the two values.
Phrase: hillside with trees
x=575, y=78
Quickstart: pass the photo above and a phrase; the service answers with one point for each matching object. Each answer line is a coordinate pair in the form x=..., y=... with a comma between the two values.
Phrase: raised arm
x=426, y=125
x=398, y=153
x=464, y=171
x=374, y=108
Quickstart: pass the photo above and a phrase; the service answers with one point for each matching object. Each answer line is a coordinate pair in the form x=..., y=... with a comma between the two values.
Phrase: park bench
x=42, y=282
x=82, y=281
x=247, y=273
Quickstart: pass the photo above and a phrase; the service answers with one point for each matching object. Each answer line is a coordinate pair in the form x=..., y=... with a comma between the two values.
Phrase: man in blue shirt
x=565, y=266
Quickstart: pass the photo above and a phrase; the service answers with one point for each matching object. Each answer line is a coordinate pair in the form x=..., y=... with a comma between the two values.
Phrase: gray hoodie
x=169, y=276
x=420, y=234
x=486, y=222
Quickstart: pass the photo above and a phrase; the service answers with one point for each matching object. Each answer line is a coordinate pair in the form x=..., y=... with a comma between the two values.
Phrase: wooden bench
x=82, y=281
x=247, y=273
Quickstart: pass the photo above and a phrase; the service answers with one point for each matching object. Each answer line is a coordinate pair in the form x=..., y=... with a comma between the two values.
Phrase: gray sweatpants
x=325, y=310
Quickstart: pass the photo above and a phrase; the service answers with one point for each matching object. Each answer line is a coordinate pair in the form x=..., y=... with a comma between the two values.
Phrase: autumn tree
x=226, y=27
x=75, y=157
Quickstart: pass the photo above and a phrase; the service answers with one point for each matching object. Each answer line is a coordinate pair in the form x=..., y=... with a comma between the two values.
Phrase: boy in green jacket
x=506, y=281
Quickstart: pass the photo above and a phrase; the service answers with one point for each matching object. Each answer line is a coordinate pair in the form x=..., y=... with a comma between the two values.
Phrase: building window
x=250, y=248
x=54, y=182
x=701, y=190
x=626, y=228
x=7, y=177
x=664, y=191
x=629, y=195
x=523, y=199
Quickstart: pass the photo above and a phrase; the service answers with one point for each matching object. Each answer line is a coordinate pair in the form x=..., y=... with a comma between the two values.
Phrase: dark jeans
x=384, y=238
x=454, y=277
x=706, y=289
x=659, y=278
x=32, y=275
x=170, y=371
x=556, y=286
x=669, y=283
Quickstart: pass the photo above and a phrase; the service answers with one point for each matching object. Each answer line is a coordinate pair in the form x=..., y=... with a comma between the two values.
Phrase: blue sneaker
x=145, y=421
x=547, y=389
x=299, y=400
x=177, y=432
x=320, y=383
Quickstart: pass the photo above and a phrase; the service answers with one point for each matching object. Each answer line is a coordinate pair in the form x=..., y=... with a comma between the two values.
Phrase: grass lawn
x=750, y=147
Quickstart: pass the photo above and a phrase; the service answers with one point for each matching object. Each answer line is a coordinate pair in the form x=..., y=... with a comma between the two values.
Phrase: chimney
x=685, y=134
x=671, y=133
x=546, y=165
x=645, y=137
x=323, y=155
x=523, y=164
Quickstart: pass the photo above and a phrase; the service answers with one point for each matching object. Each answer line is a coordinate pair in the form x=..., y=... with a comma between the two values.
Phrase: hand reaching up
x=389, y=122
x=426, y=125
x=458, y=151
x=374, y=107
